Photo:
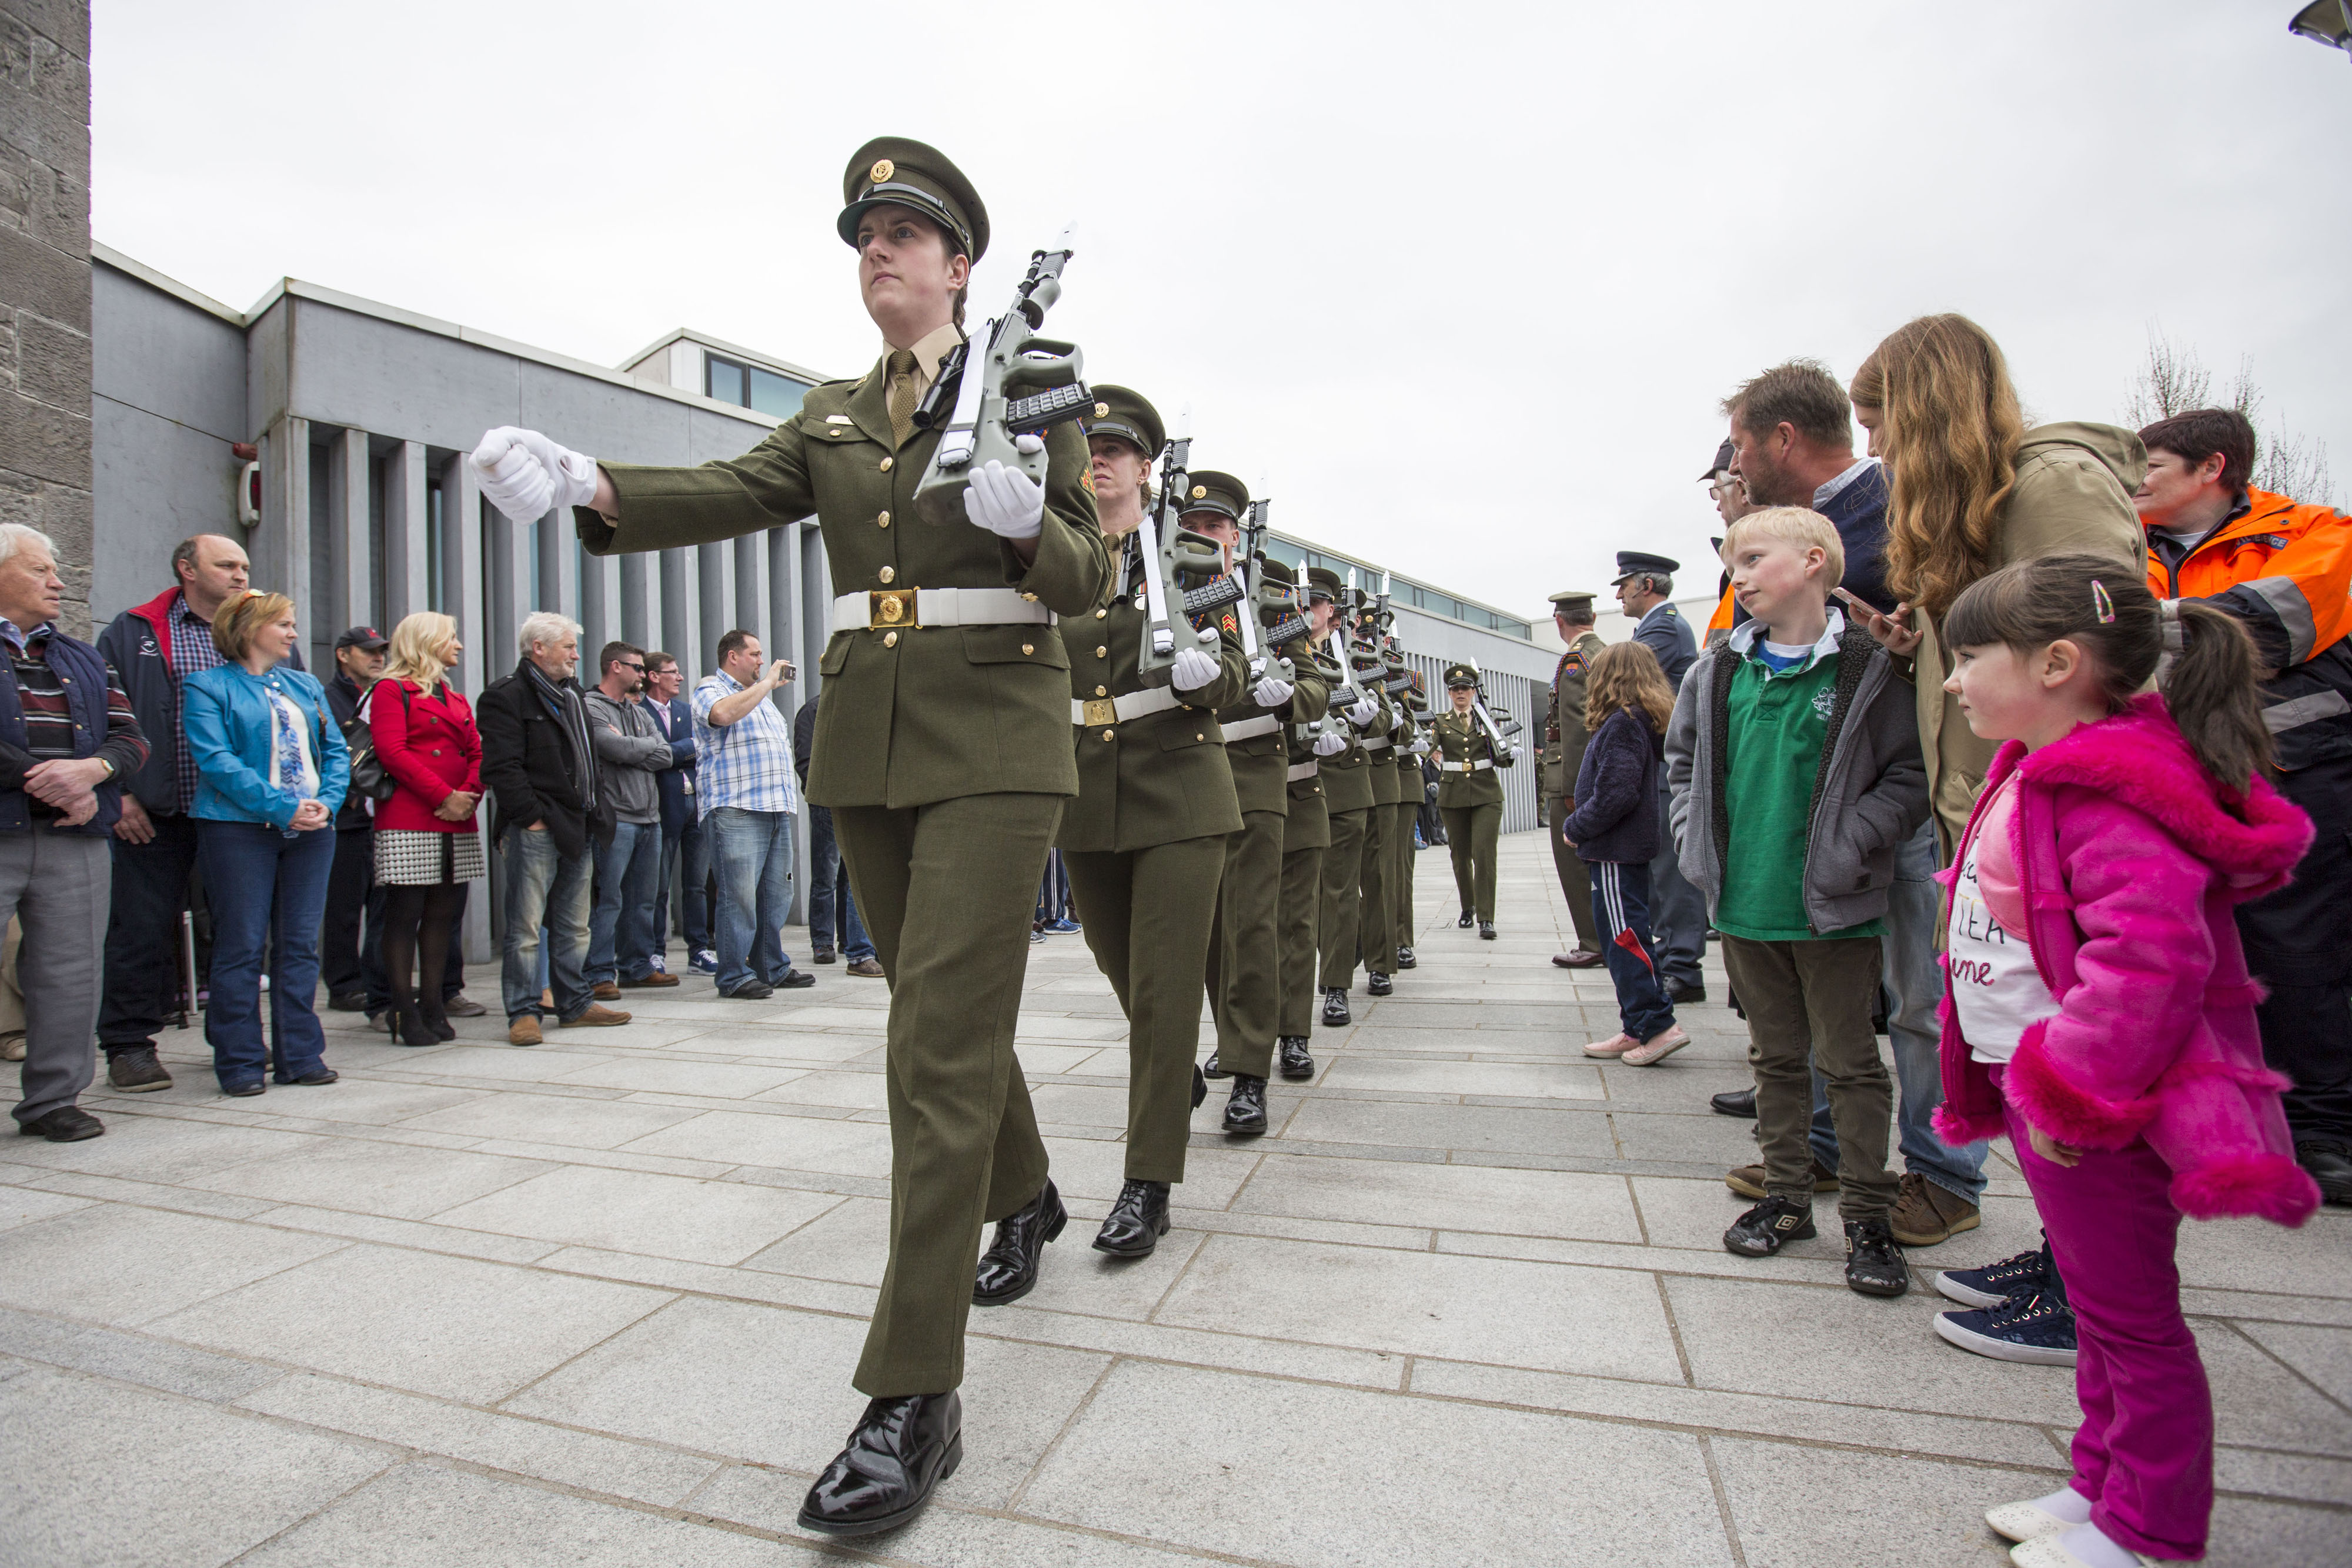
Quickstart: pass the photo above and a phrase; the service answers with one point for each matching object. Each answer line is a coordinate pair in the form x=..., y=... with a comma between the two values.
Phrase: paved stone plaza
x=597, y=1304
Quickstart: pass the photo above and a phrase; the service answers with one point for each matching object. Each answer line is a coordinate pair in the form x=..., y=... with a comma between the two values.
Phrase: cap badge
x=1199, y=491
x=882, y=169
x=1102, y=411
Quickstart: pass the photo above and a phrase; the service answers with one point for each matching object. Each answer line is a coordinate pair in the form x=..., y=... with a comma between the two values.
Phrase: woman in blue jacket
x=271, y=769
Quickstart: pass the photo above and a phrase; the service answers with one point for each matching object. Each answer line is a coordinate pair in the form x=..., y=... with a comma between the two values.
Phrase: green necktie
x=902, y=395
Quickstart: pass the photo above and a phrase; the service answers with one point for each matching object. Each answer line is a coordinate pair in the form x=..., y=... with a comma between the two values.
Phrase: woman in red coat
x=427, y=847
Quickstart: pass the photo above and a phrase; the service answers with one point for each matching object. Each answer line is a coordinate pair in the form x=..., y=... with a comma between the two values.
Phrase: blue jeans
x=1678, y=910
x=620, y=931
x=829, y=894
x=1621, y=904
x=685, y=856
x=1915, y=984
x=545, y=887
x=752, y=851
x=267, y=892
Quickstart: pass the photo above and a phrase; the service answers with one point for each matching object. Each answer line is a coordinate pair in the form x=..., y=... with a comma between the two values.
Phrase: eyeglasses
x=627, y=665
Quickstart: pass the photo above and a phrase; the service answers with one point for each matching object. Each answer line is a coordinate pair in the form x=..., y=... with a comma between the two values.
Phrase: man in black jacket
x=548, y=817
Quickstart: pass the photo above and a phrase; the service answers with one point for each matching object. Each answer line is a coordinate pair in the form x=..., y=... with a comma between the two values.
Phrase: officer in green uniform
x=1145, y=840
x=1563, y=754
x=1305, y=841
x=1376, y=927
x=1411, y=705
x=1243, y=973
x=1347, y=778
x=943, y=747
x=1470, y=797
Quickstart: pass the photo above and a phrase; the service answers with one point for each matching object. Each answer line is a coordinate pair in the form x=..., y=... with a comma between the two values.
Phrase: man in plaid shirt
x=743, y=783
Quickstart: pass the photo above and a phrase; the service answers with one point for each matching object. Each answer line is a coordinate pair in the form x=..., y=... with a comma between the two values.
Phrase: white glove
x=1005, y=501
x=1192, y=670
x=1364, y=712
x=1271, y=693
x=1330, y=744
x=1514, y=751
x=526, y=476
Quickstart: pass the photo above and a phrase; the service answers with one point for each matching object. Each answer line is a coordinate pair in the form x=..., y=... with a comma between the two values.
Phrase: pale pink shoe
x=1657, y=1048
x=1616, y=1045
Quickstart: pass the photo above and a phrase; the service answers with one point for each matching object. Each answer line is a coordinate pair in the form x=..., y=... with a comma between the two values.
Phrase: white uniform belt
x=1118, y=710
x=1250, y=728
x=1307, y=769
x=1478, y=767
x=1376, y=742
x=902, y=608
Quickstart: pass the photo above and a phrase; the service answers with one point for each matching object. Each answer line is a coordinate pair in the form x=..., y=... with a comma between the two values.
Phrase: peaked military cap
x=1214, y=492
x=1573, y=599
x=899, y=170
x=1322, y=582
x=1128, y=415
x=1636, y=563
x=1460, y=675
x=1722, y=462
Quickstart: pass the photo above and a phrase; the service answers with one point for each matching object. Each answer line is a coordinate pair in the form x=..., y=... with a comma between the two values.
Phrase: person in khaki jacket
x=1145, y=840
x=1563, y=754
x=943, y=748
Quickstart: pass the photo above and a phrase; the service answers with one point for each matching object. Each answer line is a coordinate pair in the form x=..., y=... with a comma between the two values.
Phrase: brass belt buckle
x=891, y=610
x=1101, y=711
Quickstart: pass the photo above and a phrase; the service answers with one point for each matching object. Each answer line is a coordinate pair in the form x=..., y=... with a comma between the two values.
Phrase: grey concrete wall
x=45, y=320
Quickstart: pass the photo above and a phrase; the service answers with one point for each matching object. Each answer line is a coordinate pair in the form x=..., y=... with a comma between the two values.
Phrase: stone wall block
x=65, y=23
x=44, y=280
x=44, y=441
x=57, y=211
x=45, y=108
x=15, y=188
x=7, y=353
x=52, y=362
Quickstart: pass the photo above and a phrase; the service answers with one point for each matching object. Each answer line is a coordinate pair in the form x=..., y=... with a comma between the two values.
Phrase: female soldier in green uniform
x=943, y=748
x=1305, y=838
x=1470, y=797
x=1145, y=840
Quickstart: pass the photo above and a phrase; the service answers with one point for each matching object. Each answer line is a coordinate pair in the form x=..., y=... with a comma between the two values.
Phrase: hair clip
x=2102, y=603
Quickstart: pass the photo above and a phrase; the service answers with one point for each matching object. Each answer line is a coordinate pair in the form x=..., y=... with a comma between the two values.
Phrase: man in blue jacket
x=685, y=851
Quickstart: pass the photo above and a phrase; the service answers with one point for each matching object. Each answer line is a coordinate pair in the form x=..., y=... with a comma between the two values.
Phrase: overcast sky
x=1465, y=280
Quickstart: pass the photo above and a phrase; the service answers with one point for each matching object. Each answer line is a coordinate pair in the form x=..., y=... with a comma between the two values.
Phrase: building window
x=749, y=386
x=435, y=544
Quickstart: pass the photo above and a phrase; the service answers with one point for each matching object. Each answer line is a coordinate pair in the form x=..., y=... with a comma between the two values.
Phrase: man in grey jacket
x=632, y=749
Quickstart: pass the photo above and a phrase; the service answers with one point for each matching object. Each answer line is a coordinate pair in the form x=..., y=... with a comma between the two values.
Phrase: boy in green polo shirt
x=1793, y=762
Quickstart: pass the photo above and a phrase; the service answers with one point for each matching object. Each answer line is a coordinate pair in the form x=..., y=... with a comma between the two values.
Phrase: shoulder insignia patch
x=1086, y=478
x=1230, y=624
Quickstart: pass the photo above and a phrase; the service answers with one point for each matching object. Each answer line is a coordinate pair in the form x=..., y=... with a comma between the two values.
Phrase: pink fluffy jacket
x=2130, y=858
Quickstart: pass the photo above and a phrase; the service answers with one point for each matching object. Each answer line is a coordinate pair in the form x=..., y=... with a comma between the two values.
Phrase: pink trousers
x=2144, y=1454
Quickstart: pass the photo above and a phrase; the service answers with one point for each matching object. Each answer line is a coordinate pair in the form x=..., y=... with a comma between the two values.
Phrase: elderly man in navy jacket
x=685, y=849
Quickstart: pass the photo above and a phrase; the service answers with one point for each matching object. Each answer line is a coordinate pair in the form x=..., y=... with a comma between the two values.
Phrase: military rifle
x=1498, y=731
x=1274, y=608
x=1173, y=556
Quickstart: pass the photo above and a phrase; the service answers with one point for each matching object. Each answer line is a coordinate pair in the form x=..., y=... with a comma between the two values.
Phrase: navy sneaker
x=704, y=962
x=1061, y=927
x=1996, y=1282
x=2037, y=1328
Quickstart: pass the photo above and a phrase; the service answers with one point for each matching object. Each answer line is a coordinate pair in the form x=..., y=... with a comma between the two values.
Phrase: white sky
x=1467, y=280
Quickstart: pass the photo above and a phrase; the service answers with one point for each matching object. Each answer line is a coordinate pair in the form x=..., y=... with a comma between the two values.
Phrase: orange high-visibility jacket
x=2284, y=569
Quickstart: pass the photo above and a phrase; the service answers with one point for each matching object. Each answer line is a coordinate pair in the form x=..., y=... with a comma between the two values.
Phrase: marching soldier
x=1563, y=754
x=1145, y=840
x=1470, y=797
x=1306, y=840
x=1244, y=979
x=1347, y=778
x=1411, y=704
x=943, y=748
x=1377, y=927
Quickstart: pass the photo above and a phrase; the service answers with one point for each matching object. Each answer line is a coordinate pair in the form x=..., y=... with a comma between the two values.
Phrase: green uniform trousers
x=1343, y=869
x=1400, y=868
x=1302, y=905
x=946, y=892
x=1146, y=915
x=1575, y=881
x=1472, y=832
x=1376, y=921
x=1244, y=972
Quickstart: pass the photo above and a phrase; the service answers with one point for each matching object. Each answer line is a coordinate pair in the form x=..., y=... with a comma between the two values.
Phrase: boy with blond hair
x=1793, y=760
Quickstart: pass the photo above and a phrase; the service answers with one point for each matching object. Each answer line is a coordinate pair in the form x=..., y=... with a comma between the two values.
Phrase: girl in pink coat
x=2098, y=1010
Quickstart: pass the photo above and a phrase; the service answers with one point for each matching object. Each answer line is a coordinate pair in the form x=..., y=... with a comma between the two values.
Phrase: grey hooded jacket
x=1870, y=794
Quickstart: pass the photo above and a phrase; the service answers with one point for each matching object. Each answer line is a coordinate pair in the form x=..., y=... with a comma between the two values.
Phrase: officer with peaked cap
x=1678, y=910
x=1346, y=771
x=943, y=748
x=1646, y=585
x=1244, y=975
x=1470, y=796
x=1563, y=753
x=1145, y=840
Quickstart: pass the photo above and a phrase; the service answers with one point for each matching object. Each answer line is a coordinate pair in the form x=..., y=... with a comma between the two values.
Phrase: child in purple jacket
x=2099, y=1008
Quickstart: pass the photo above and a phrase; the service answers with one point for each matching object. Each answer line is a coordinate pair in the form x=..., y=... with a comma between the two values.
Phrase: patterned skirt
x=405, y=858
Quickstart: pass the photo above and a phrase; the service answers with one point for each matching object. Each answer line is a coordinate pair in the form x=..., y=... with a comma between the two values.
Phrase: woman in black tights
x=426, y=846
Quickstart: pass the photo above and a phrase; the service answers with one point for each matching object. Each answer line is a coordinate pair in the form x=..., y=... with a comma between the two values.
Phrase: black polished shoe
x=347, y=1002
x=1335, y=1007
x=1682, y=993
x=1486, y=931
x=66, y=1125
x=750, y=991
x=1466, y=921
x=1245, y=1108
x=1296, y=1063
x=1874, y=1263
x=1199, y=1087
x=1212, y=1068
x=324, y=1075
x=2330, y=1165
x=1008, y=1269
x=1734, y=1102
x=1380, y=985
x=1136, y=1222
x=1768, y=1227
x=1405, y=960
x=902, y=1448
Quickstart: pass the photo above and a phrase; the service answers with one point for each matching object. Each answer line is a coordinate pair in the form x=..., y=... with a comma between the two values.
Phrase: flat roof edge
x=765, y=361
x=107, y=256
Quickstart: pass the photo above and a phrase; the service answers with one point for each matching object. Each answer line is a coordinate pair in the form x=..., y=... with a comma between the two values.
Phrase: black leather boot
x=1296, y=1063
x=1486, y=931
x=1405, y=960
x=409, y=1026
x=1137, y=1221
x=1466, y=918
x=1008, y=1269
x=1199, y=1087
x=1210, y=1069
x=1378, y=985
x=1245, y=1111
x=901, y=1448
x=1335, y=1007
x=429, y=1008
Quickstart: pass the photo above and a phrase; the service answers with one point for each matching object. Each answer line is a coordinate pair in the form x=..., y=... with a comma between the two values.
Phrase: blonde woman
x=426, y=846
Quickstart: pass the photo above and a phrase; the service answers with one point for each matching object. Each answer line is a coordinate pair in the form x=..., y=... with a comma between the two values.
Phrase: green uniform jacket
x=1408, y=761
x=1460, y=738
x=1157, y=778
x=1260, y=762
x=1347, y=774
x=1564, y=731
x=1308, y=826
x=1384, y=773
x=917, y=715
